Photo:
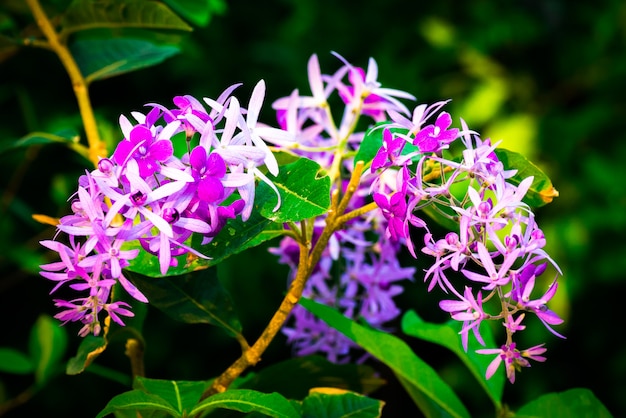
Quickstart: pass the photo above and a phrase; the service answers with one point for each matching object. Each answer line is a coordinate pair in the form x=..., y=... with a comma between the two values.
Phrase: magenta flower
x=142, y=146
x=434, y=138
x=470, y=311
x=389, y=152
x=513, y=359
x=494, y=277
x=208, y=171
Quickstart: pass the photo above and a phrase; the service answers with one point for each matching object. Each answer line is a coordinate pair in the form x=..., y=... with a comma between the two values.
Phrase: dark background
x=546, y=77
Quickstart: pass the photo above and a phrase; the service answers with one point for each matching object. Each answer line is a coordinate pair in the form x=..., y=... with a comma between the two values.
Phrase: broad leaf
x=573, y=403
x=331, y=403
x=47, y=345
x=195, y=297
x=13, y=361
x=103, y=58
x=138, y=401
x=304, y=191
x=295, y=377
x=542, y=191
x=447, y=335
x=90, y=348
x=89, y=14
x=395, y=353
x=238, y=236
x=244, y=400
x=182, y=395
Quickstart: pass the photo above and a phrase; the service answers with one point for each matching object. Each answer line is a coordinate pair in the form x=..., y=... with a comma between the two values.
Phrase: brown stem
x=306, y=264
x=97, y=148
x=253, y=355
x=134, y=351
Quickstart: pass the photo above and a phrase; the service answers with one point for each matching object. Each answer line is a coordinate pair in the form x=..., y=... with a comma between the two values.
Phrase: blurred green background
x=547, y=77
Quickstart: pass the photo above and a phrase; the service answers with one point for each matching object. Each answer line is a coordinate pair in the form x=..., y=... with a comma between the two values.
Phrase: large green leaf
x=437, y=399
x=447, y=335
x=182, y=395
x=542, y=191
x=244, y=400
x=333, y=403
x=573, y=403
x=304, y=191
x=90, y=14
x=295, y=377
x=48, y=341
x=195, y=297
x=237, y=236
x=137, y=401
x=108, y=57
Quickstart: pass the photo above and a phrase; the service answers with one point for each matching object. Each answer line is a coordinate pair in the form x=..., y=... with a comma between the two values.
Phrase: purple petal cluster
x=146, y=198
x=359, y=273
x=498, y=247
x=496, y=252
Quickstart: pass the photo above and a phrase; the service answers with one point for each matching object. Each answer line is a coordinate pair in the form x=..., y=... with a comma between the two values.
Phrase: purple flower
x=208, y=172
x=434, y=138
x=469, y=310
x=523, y=285
x=513, y=359
x=389, y=152
x=394, y=211
x=142, y=146
x=494, y=277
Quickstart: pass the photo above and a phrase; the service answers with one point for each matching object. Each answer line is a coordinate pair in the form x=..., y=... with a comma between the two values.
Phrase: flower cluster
x=359, y=270
x=148, y=198
x=497, y=248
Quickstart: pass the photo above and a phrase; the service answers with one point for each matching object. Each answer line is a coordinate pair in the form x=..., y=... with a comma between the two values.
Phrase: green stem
x=97, y=148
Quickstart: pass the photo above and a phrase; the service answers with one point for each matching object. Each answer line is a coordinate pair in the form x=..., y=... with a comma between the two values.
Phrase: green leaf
x=138, y=401
x=573, y=403
x=295, y=377
x=331, y=403
x=244, y=400
x=195, y=297
x=447, y=335
x=304, y=191
x=47, y=345
x=13, y=361
x=182, y=395
x=238, y=236
x=90, y=348
x=89, y=14
x=198, y=12
x=436, y=395
x=68, y=137
x=103, y=58
x=542, y=191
